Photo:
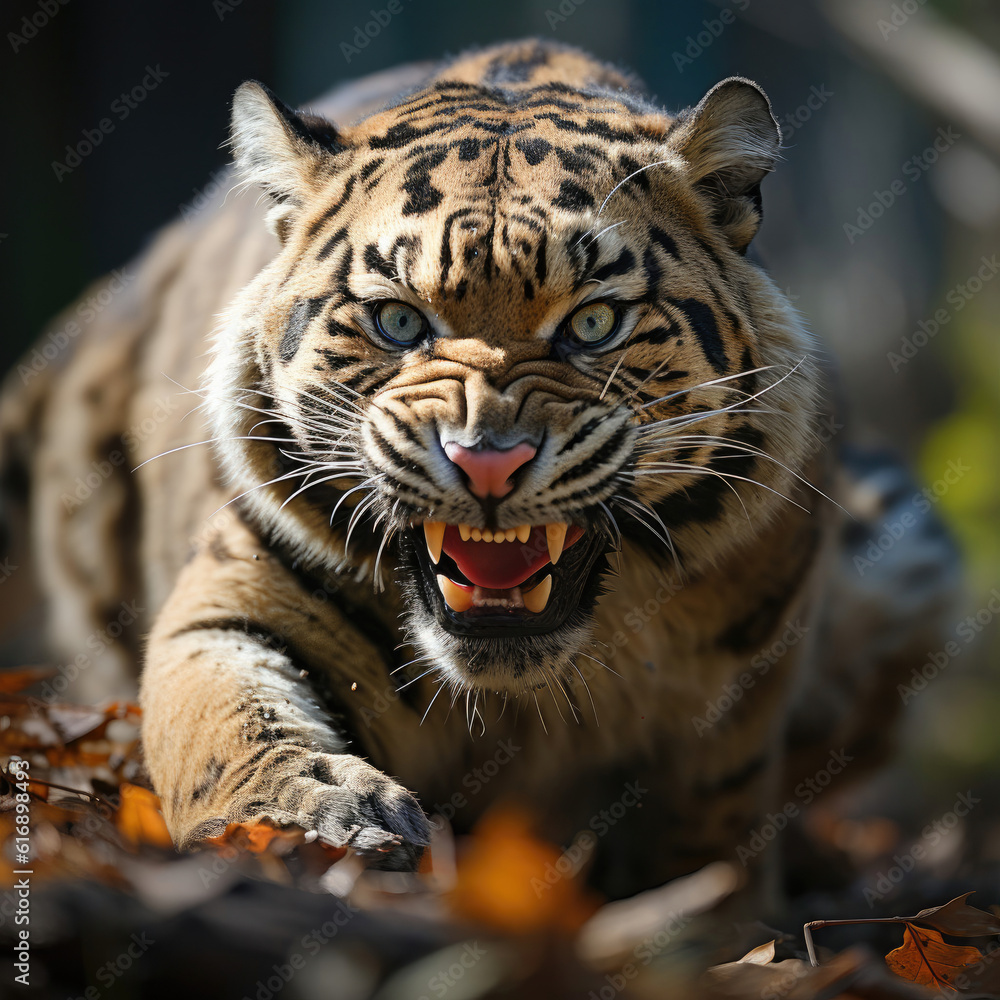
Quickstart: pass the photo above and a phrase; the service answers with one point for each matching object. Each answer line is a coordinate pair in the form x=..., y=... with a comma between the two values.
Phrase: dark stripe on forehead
x=303, y=313
x=330, y=245
x=446, y=256
x=593, y=127
x=422, y=196
x=701, y=319
x=318, y=224
x=622, y=264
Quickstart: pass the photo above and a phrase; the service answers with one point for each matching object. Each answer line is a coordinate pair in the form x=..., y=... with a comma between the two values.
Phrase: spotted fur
x=299, y=665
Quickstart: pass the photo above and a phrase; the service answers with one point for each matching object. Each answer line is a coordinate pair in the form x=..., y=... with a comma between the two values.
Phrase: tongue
x=498, y=565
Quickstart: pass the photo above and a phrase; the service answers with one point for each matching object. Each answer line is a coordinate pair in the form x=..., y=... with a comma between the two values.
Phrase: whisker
x=409, y=663
x=614, y=372
x=545, y=729
x=548, y=687
x=572, y=708
x=600, y=663
x=704, y=385
x=414, y=680
x=196, y=444
x=441, y=686
x=586, y=687
x=625, y=180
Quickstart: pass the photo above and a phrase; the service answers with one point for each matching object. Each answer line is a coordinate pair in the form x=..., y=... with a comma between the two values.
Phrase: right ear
x=278, y=149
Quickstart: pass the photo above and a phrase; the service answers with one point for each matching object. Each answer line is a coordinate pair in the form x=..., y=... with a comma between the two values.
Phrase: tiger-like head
x=511, y=329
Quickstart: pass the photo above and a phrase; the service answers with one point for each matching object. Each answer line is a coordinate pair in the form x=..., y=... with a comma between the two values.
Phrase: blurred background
x=882, y=224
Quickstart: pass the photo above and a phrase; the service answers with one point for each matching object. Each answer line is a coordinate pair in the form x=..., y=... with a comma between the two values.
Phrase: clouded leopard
x=479, y=444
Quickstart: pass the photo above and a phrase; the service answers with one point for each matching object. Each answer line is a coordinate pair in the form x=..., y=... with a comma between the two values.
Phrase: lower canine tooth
x=523, y=532
x=434, y=536
x=454, y=596
x=536, y=598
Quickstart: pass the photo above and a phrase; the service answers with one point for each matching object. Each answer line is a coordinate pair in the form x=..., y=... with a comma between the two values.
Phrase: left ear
x=283, y=151
x=731, y=142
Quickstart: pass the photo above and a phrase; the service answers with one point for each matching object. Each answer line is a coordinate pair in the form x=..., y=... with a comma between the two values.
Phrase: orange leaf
x=512, y=881
x=12, y=681
x=925, y=957
x=258, y=838
x=139, y=818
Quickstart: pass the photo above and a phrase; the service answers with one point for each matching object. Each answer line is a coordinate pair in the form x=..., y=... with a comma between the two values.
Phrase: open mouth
x=498, y=582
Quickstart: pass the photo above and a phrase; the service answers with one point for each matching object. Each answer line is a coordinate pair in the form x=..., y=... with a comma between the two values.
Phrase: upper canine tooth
x=555, y=535
x=454, y=596
x=523, y=532
x=536, y=598
x=465, y=532
x=434, y=536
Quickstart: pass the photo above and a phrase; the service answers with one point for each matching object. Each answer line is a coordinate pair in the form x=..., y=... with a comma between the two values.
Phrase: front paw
x=349, y=804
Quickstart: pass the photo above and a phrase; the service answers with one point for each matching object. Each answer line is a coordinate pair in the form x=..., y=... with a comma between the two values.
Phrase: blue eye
x=400, y=323
x=593, y=323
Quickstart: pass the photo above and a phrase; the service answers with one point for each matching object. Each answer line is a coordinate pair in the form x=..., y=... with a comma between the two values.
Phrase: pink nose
x=489, y=471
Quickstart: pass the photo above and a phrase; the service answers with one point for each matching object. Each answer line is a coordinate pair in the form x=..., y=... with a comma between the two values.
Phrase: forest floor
x=98, y=904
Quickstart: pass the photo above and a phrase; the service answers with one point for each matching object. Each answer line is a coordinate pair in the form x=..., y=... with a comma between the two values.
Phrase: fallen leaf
x=925, y=957
x=510, y=880
x=760, y=955
x=959, y=919
x=258, y=838
x=139, y=819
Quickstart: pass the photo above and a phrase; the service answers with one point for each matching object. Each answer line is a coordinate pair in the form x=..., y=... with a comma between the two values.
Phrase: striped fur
x=300, y=654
